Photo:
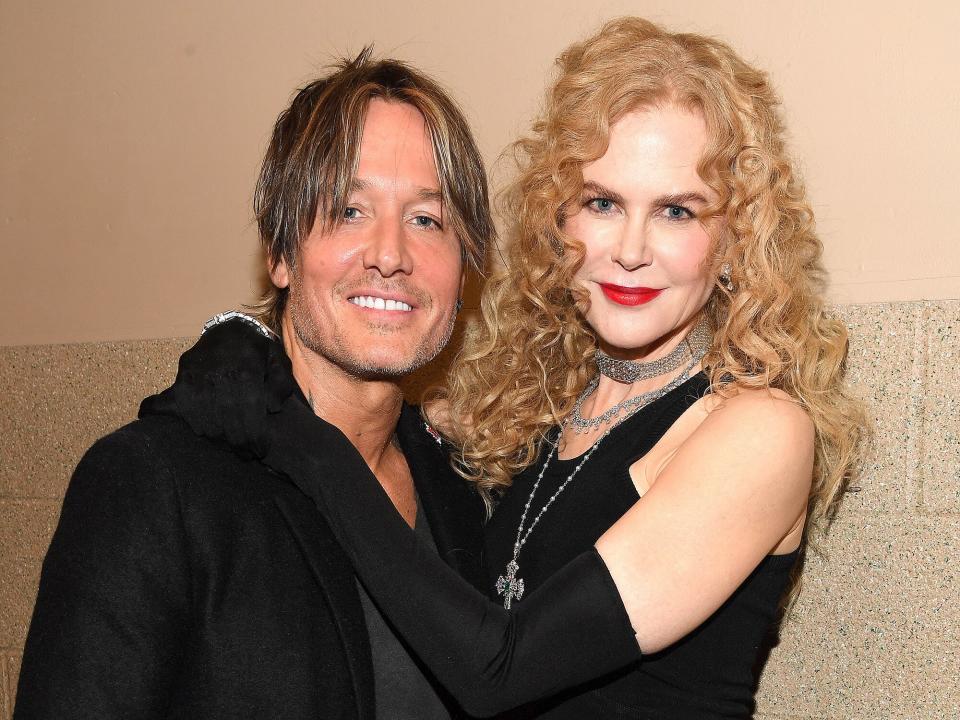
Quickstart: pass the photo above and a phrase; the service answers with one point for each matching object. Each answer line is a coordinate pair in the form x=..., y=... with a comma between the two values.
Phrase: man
x=186, y=581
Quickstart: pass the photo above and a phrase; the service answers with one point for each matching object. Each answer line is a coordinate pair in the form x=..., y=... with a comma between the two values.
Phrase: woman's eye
x=677, y=212
x=602, y=205
x=351, y=213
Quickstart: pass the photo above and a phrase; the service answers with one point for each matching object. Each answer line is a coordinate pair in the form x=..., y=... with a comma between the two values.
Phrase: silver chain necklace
x=631, y=371
x=693, y=346
x=509, y=585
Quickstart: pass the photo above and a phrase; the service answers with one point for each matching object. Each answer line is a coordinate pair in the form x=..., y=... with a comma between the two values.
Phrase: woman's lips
x=629, y=295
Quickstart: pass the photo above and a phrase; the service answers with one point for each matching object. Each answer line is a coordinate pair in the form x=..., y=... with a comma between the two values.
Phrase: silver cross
x=510, y=586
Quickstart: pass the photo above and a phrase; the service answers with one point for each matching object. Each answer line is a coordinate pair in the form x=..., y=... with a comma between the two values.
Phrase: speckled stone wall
x=876, y=631
x=56, y=400
x=874, y=634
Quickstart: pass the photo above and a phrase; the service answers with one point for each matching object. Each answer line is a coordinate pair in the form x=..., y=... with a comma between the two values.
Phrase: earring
x=724, y=279
x=459, y=306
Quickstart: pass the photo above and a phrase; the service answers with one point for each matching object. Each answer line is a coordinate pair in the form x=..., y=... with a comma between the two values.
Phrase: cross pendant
x=510, y=586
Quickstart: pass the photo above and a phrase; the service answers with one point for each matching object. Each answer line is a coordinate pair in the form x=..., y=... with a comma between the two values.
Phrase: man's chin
x=393, y=369
x=372, y=356
x=380, y=361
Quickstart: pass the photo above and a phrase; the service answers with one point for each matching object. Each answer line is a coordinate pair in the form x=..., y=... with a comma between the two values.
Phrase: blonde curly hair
x=523, y=365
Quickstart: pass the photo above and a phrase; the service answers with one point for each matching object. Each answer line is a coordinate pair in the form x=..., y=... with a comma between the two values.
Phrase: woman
x=654, y=396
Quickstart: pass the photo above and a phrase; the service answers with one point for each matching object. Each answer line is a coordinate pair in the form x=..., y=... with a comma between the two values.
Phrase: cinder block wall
x=874, y=635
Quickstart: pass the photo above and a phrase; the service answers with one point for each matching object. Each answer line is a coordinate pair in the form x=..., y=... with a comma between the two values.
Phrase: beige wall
x=130, y=134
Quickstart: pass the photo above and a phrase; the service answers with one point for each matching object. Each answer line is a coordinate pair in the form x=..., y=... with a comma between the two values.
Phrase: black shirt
x=401, y=686
x=707, y=674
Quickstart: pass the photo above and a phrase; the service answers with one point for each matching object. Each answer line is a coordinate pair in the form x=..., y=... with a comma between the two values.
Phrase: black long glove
x=233, y=386
x=572, y=629
x=226, y=384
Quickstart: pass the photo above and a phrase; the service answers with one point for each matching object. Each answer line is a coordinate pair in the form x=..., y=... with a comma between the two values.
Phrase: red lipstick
x=629, y=295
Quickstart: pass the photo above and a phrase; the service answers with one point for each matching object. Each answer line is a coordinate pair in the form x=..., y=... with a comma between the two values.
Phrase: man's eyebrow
x=599, y=191
x=430, y=194
x=358, y=185
x=423, y=193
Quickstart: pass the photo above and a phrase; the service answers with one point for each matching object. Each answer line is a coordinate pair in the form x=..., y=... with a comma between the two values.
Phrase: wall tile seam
x=903, y=303
x=847, y=514
x=919, y=386
x=916, y=422
x=851, y=513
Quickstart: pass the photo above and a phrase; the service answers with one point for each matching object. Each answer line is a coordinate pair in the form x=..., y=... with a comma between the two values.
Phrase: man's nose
x=386, y=250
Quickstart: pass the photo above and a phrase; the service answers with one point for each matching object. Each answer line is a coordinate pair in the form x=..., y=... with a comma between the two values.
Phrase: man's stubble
x=332, y=346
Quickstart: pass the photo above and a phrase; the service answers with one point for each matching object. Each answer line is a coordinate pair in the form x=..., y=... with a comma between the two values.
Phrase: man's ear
x=279, y=273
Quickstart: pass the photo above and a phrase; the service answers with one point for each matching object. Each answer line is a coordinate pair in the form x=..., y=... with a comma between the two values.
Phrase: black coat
x=185, y=582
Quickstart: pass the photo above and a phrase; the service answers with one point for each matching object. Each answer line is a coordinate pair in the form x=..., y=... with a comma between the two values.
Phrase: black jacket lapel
x=452, y=507
x=335, y=577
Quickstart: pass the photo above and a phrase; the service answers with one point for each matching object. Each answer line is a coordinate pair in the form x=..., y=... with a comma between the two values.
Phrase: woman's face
x=639, y=217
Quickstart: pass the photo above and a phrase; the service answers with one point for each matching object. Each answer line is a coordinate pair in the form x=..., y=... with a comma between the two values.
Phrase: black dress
x=709, y=673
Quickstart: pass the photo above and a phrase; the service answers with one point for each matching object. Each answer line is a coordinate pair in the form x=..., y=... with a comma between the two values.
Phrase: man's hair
x=309, y=166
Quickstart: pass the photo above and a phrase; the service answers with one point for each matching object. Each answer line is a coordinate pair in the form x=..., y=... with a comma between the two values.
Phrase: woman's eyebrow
x=680, y=199
x=598, y=190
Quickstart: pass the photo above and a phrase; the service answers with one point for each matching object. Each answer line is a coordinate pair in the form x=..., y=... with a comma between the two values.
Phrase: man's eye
x=351, y=213
x=425, y=221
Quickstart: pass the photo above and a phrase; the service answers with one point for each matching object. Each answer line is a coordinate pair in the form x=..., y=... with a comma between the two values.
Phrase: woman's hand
x=228, y=382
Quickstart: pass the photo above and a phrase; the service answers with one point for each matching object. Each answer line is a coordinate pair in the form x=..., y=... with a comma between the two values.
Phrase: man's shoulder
x=161, y=450
x=136, y=443
x=155, y=438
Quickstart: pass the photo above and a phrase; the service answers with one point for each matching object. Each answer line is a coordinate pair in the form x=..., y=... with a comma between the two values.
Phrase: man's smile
x=376, y=302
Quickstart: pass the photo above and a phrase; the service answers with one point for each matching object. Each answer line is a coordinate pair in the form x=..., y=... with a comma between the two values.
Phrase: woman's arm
x=735, y=487
x=729, y=494
x=571, y=630
x=703, y=525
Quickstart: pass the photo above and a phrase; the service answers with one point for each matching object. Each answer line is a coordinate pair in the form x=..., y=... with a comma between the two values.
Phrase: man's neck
x=366, y=411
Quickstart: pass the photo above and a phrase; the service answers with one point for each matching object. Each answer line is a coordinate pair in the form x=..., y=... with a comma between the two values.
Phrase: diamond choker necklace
x=630, y=371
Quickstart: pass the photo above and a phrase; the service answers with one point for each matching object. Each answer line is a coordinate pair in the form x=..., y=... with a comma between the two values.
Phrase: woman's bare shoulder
x=764, y=426
x=741, y=409
x=770, y=411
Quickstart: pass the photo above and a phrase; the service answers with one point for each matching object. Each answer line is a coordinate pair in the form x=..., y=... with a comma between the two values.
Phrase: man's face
x=376, y=296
